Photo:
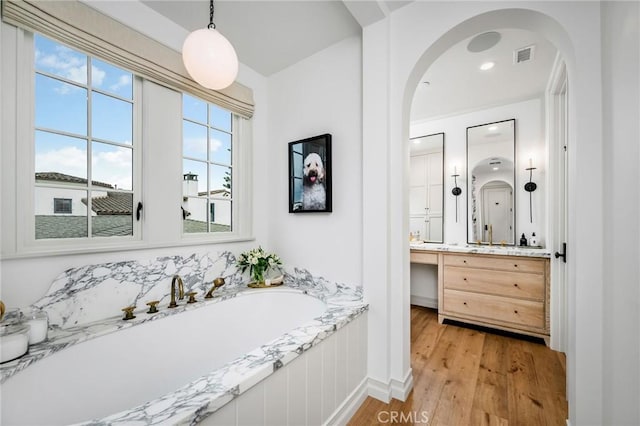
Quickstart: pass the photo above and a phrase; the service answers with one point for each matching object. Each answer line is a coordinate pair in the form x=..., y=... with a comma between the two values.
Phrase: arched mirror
x=490, y=183
x=426, y=189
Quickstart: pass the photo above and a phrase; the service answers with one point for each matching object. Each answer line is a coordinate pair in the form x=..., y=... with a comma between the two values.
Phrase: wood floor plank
x=467, y=377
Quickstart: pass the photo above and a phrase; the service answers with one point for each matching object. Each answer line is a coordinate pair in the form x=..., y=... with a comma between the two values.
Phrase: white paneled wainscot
x=325, y=385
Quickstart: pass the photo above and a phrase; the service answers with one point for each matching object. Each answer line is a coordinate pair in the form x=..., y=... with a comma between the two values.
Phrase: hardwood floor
x=465, y=376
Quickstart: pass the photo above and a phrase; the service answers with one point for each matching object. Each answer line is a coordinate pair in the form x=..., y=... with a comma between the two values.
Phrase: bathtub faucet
x=177, y=278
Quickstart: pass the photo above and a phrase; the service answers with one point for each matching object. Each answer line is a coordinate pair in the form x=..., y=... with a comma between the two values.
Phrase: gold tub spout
x=176, y=278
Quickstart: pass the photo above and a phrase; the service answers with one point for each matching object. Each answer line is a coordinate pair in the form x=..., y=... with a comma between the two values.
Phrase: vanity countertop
x=482, y=249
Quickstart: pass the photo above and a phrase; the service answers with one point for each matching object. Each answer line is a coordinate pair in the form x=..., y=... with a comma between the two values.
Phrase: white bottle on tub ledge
x=533, y=242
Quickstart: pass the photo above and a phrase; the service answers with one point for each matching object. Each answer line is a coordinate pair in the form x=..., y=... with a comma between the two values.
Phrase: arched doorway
x=512, y=18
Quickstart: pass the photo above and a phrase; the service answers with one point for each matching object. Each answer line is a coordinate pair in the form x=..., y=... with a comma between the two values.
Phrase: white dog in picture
x=314, y=196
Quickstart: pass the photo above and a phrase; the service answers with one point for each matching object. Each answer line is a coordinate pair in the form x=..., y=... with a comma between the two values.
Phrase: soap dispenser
x=534, y=240
x=523, y=240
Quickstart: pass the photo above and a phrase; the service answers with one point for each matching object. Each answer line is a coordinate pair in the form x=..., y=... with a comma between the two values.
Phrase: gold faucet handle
x=128, y=312
x=192, y=297
x=153, y=306
x=2, y=309
x=218, y=282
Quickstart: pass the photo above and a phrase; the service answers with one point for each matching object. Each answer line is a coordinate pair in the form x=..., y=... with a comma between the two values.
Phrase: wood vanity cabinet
x=505, y=292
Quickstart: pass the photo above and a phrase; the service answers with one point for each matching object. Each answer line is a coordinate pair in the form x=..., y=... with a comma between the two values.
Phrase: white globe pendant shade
x=210, y=59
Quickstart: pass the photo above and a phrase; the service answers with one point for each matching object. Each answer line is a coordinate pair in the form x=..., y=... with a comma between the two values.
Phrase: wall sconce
x=530, y=187
x=456, y=191
x=209, y=57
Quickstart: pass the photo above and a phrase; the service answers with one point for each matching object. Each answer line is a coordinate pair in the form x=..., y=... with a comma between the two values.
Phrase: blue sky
x=62, y=106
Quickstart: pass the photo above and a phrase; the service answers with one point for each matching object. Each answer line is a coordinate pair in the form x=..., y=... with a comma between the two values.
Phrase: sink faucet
x=176, y=278
x=490, y=235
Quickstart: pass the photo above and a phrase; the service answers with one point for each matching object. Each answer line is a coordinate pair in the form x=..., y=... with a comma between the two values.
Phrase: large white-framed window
x=38, y=159
x=209, y=139
x=85, y=181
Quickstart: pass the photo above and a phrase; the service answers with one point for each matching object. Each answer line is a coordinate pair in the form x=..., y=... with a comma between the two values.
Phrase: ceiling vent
x=523, y=55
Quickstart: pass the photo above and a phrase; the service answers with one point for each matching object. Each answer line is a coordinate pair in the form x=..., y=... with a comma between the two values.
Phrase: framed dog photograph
x=310, y=175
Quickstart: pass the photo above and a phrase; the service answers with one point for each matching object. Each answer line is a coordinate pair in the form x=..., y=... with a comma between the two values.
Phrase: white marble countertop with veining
x=526, y=251
x=202, y=397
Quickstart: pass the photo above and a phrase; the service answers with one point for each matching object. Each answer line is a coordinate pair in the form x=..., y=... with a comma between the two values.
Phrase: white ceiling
x=271, y=35
x=456, y=84
x=268, y=35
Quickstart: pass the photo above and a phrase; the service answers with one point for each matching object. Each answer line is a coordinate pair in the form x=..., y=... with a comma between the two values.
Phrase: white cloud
x=123, y=81
x=70, y=65
x=195, y=147
x=113, y=167
x=68, y=160
x=97, y=76
x=215, y=145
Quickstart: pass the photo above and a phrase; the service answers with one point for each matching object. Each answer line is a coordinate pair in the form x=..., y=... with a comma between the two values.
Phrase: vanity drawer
x=502, y=263
x=495, y=309
x=513, y=284
x=425, y=257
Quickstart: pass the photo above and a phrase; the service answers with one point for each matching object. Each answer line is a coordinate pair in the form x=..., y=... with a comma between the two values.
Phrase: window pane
x=194, y=138
x=112, y=165
x=111, y=119
x=60, y=106
x=194, y=109
x=111, y=79
x=60, y=158
x=220, y=181
x=111, y=213
x=60, y=225
x=194, y=215
x=219, y=118
x=297, y=165
x=297, y=194
x=220, y=216
x=60, y=60
x=194, y=182
x=220, y=145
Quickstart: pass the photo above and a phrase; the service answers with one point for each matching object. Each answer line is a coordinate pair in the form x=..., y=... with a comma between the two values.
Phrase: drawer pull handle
x=515, y=312
x=515, y=285
x=464, y=279
x=515, y=266
x=464, y=303
x=464, y=261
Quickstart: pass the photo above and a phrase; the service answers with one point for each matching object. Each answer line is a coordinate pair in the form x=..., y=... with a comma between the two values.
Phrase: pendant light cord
x=211, y=25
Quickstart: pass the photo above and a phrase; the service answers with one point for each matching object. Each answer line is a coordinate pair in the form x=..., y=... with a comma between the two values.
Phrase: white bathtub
x=127, y=368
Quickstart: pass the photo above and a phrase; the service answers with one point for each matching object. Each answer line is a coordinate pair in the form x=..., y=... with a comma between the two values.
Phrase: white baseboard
x=398, y=389
x=427, y=302
x=401, y=389
x=379, y=390
x=349, y=406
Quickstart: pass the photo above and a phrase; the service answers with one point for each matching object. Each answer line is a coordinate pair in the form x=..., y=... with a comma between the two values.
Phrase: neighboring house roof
x=61, y=177
x=222, y=192
x=115, y=203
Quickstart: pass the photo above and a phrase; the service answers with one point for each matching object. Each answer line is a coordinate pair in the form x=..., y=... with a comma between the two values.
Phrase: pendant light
x=209, y=57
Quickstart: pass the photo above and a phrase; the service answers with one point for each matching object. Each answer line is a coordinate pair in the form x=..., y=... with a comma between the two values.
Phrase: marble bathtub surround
x=89, y=286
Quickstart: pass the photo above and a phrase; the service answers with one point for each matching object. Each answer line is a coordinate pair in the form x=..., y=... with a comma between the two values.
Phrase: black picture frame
x=310, y=175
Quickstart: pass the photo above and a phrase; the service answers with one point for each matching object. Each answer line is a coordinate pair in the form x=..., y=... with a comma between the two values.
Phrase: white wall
x=23, y=280
x=530, y=142
x=621, y=297
x=320, y=94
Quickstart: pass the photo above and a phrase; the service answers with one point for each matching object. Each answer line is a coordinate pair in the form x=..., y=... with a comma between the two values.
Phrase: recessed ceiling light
x=493, y=128
x=495, y=168
x=417, y=141
x=487, y=66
